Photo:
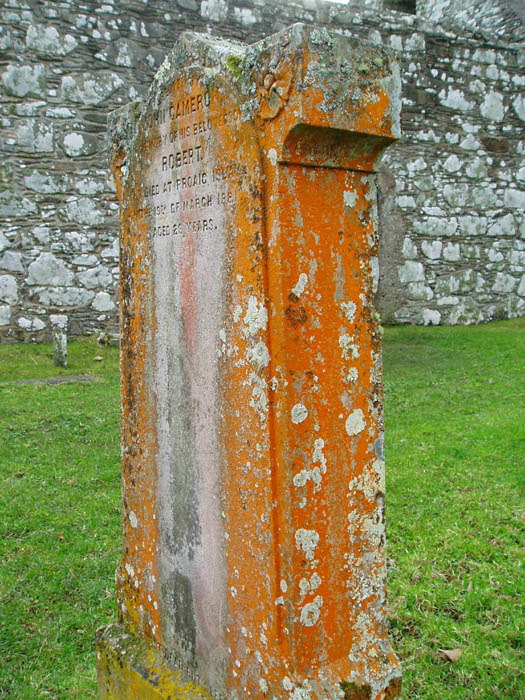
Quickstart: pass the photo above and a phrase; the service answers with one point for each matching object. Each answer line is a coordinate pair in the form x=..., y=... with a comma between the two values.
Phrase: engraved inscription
x=187, y=157
x=185, y=192
x=182, y=108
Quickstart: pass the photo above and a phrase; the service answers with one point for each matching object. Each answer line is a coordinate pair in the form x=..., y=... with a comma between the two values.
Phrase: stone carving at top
x=274, y=92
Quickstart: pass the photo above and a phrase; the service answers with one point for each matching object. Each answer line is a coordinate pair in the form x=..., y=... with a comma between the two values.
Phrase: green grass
x=455, y=448
x=59, y=519
x=455, y=423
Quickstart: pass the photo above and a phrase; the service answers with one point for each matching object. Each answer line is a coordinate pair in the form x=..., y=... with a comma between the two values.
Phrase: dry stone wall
x=451, y=193
x=503, y=18
x=459, y=176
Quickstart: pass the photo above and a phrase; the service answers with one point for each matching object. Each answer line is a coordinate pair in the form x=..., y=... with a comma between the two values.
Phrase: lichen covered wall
x=459, y=176
x=503, y=18
x=454, y=187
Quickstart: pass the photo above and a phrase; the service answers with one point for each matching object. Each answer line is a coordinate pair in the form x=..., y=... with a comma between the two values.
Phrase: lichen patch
x=311, y=612
x=256, y=317
x=307, y=541
x=355, y=423
x=299, y=413
x=301, y=285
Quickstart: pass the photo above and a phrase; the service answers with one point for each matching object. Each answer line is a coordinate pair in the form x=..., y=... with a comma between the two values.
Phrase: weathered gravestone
x=253, y=473
x=59, y=328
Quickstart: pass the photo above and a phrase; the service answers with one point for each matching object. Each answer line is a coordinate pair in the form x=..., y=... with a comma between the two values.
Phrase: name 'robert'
x=186, y=157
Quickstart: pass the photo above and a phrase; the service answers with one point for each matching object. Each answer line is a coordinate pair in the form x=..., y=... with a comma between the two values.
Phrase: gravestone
x=252, y=408
x=59, y=329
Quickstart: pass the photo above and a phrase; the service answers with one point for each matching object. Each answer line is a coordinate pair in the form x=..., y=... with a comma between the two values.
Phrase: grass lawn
x=455, y=455
x=59, y=519
x=455, y=426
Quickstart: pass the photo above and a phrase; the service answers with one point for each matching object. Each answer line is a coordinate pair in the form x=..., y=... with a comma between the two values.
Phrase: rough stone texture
x=59, y=328
x=505, y=18
x=252, y=405
x=65, y=65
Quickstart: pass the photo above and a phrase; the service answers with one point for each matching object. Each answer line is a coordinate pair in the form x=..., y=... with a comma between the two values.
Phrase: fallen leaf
x=507, y=597
x=469, y=587
x=98, y=358
x=451, y=654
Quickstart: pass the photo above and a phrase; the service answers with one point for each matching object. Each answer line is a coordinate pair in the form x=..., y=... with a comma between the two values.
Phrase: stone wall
x=451, y=195
x=502, y=18
x=460, y=183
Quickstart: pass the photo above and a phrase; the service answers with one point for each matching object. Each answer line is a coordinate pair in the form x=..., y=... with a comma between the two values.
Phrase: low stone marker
x=252, y=407
x=59, y=329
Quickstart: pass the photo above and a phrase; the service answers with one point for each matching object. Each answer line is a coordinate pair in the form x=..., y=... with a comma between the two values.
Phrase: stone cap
x=312, y=79
x=58, y=321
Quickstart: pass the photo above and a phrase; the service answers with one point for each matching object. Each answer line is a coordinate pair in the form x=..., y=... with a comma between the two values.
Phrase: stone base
x=130, y=668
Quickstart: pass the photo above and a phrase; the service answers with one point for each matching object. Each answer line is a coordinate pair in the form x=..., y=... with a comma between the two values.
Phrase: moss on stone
x=355, y=691
x=234, y=65
x=130, y=667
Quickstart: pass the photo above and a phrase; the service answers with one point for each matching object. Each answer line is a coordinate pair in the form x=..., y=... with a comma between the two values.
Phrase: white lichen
x=258, y=356
x=272, y=156
x=349, y=309
x=259, y=400
x=350, y=199
x=306, y=475
x=304, y=586
x=318, y=455
x=287, y=683
x=355, y=423
x=301, y=284
x=353, y=375
x=307, y=540
x=256, y=317
x=311, y=611
x=299, y=413
x=315, y=581
x=349, y=348
x=237, y=313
